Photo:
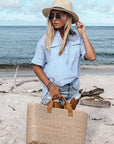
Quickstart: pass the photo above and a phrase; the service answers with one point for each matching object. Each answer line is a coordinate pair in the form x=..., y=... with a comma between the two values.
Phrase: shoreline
x=85, y=70
x=29, y=66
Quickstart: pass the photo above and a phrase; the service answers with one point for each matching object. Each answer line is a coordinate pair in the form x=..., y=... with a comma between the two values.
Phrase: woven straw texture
x=56, y=127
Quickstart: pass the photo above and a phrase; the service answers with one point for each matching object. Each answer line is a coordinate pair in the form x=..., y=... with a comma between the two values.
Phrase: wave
x=97, y=66
x=13, y=66
x=105, y=54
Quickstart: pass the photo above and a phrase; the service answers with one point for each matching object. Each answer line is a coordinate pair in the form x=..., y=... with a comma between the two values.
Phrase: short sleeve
x=82, y=49
x=39, y=57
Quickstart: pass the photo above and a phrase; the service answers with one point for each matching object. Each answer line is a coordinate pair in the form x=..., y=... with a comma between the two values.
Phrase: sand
x=14, y=100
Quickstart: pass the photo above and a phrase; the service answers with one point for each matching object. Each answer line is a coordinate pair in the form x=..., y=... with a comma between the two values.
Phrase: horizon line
x=46, y=26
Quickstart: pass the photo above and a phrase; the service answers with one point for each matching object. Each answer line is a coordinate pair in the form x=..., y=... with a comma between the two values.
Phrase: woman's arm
x=90, y=53
x=53, y=90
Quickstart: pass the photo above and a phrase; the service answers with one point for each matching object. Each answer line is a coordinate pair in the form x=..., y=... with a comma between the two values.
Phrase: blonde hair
x=51, y=32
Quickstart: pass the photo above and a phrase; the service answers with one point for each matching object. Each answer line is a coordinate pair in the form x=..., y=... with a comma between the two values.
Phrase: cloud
x=3, y=18
x=9, y=4
x=82, y=6
x=104, y=8
x=39, y=5
x=95, y=6
x=111, y=11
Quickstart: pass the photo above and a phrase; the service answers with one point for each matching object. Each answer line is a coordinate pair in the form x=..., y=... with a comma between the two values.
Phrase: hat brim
x=75, y=17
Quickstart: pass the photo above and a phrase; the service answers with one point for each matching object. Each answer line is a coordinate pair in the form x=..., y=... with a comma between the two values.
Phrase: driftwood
x=15, y=76
x=95, y=100
x=1, y=83
x=109, y=124
x=96, y=118
x=3, y=92
x=20, y=83
x=94, y=92
x=17, y=69
x=37, y=91
x=12, y=108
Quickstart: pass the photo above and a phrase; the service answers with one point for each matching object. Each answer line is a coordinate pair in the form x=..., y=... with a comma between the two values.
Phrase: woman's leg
x=74, y=103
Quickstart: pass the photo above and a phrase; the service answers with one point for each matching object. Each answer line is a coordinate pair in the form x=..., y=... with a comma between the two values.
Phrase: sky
x=29, y=12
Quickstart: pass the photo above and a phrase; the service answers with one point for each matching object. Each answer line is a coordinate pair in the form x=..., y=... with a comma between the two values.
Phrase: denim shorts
x=67, y=91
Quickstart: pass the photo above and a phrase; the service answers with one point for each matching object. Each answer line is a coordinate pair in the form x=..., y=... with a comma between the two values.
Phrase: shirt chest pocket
x=54, y=51
x=74, y=43
x=75, y=47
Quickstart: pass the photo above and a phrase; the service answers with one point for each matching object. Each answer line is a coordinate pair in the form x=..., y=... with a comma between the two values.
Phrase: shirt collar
x=57, y=39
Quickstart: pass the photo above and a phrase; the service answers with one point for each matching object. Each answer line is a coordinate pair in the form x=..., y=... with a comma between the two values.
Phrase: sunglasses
x=51, y=16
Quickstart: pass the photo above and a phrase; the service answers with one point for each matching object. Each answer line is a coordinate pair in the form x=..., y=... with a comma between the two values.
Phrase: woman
x=57, y=58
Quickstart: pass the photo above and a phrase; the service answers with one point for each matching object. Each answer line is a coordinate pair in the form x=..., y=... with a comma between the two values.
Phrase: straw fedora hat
x=61, y=5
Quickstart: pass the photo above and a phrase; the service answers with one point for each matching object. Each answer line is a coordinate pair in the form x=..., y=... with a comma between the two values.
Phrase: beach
x=17, y=90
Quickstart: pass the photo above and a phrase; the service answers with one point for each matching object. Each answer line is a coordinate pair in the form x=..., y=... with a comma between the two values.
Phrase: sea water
x=18, y=44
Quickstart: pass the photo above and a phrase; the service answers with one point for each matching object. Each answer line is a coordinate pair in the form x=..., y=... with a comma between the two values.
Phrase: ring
x=56, y=97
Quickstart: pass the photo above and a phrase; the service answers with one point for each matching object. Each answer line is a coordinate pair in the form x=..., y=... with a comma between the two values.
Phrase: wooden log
x=93, y=92
x=95, y=102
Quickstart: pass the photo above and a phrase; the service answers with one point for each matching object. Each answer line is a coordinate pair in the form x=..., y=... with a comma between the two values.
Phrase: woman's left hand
x=80, y=27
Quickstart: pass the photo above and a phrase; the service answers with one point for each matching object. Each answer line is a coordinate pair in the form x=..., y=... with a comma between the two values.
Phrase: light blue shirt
x=60, y=69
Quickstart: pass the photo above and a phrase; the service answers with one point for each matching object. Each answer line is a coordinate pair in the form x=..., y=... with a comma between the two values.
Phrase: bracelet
x=49, y=85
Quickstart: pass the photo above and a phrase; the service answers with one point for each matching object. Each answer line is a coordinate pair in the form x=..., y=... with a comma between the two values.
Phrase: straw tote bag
x=47, y=125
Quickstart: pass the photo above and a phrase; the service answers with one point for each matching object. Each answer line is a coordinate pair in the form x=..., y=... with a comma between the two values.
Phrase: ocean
x=18, y=44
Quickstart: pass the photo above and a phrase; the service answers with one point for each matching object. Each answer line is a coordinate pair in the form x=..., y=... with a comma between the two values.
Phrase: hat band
x=58, y=7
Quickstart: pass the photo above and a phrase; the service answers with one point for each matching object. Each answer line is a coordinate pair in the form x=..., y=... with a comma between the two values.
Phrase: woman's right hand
x=54, y=92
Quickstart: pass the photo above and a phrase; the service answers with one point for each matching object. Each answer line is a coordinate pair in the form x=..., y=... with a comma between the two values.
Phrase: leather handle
x=66, y=106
